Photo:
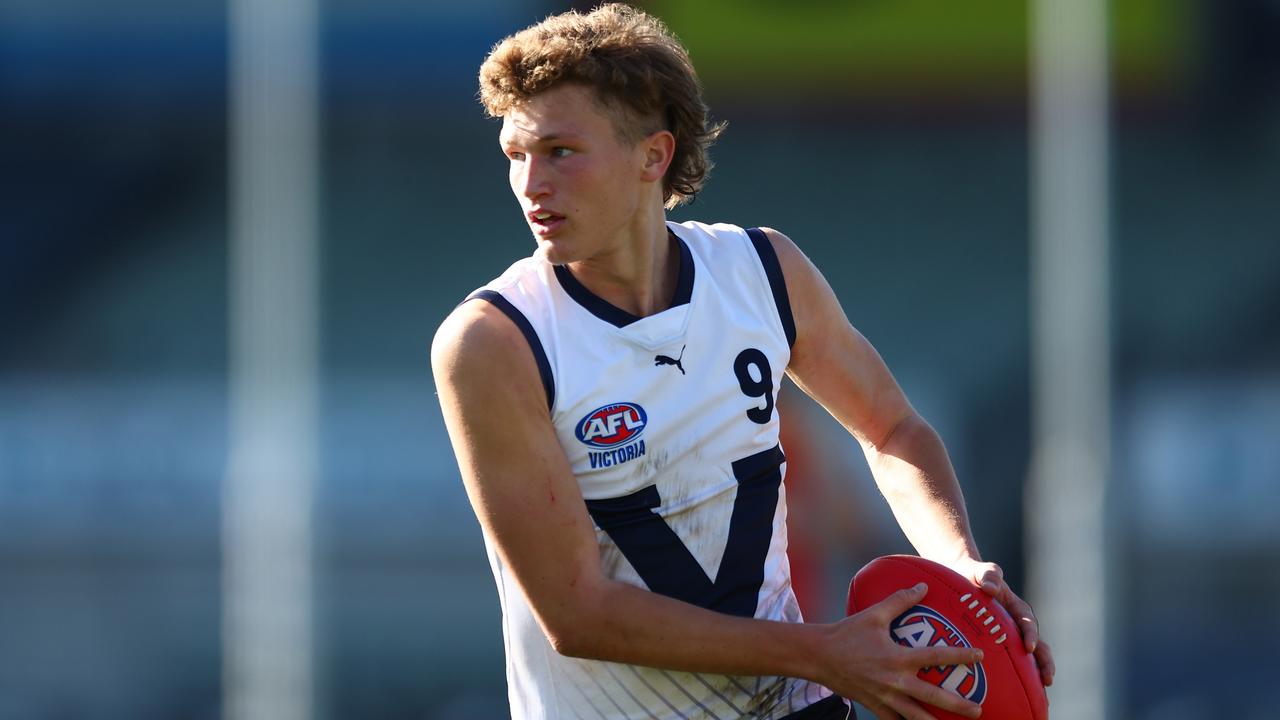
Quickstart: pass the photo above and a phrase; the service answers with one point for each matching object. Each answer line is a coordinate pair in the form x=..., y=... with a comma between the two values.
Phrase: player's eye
x=515, y=156
x=561, y=152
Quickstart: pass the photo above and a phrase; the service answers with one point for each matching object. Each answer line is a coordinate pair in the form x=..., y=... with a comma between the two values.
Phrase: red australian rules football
x=958, y=613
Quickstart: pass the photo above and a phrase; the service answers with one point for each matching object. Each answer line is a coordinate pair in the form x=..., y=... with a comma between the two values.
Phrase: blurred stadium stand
x=113, y=288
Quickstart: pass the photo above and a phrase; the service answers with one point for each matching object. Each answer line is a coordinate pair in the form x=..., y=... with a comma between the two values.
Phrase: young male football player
x=611, y=402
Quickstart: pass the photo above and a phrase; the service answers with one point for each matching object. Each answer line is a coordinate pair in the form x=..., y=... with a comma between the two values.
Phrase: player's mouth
x=544, y=222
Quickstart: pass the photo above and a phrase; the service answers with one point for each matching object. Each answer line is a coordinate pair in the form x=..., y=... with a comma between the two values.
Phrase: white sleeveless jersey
x=669, y=424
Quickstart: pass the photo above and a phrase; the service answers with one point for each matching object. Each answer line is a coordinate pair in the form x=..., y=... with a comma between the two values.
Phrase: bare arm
x=834, y=364
x=530, y=506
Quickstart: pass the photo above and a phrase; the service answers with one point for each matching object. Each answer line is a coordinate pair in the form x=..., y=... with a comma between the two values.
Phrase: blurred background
x=891, y=140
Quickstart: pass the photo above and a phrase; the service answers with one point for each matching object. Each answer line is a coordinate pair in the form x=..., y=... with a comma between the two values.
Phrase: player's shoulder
x=484, y=326
x=722, y=235
x=719, y=246
x=781, y=243
x=523, y=272
x=708, y=235
x=472, y=331
x=480, y=359
x=795, y=265
x=781, y=258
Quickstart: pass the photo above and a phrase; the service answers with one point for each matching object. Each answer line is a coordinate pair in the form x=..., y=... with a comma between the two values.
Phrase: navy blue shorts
x=832, y=708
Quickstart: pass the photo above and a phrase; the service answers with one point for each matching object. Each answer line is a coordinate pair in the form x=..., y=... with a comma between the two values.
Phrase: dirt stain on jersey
x=653, y=463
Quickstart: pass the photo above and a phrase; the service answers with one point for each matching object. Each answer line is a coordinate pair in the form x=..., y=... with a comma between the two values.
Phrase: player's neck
x=639, y=274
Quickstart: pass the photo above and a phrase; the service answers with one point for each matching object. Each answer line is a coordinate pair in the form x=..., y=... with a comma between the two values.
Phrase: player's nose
x=529, y=179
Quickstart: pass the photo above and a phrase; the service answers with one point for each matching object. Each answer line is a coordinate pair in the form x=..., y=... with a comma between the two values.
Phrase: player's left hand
x=991, y=578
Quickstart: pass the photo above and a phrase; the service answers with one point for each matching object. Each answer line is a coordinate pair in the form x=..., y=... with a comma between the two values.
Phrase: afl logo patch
x=922, y=627
x=612, y=425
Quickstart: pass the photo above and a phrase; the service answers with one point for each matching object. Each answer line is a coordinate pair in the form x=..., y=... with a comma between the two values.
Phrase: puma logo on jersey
x=666, y=360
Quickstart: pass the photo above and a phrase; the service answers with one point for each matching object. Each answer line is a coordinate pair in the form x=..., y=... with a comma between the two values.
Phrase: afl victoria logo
x=922, y=627
x=612, y=425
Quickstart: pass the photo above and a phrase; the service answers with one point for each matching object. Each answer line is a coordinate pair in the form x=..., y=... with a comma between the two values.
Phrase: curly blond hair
x=640, y=73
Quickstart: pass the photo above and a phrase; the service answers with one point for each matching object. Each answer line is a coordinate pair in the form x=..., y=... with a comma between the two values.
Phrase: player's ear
x=659, y=149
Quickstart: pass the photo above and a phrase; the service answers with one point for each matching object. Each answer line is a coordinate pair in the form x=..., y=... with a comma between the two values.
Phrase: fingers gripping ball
x=956, y=612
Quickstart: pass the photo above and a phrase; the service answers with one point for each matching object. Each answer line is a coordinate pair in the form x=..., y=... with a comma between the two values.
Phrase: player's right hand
x=866, y=665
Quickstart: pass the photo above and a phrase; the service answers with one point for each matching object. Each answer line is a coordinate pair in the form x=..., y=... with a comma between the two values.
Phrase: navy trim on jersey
x=684, y=283
x=773, y=269
x=614, y=315
x=531, y=335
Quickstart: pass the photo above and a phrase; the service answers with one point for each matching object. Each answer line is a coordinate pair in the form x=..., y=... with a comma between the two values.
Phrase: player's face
x=578, y=184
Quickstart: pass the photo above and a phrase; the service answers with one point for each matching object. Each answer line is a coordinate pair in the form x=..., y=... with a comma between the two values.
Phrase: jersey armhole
x=773, y=270
x=526, y=328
